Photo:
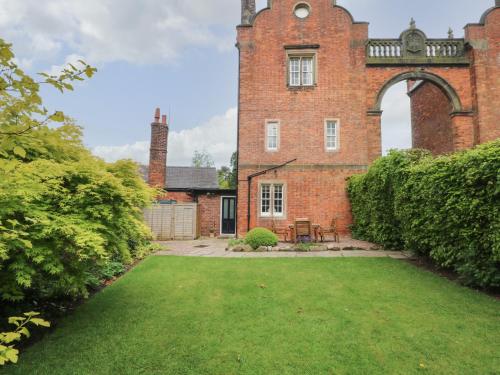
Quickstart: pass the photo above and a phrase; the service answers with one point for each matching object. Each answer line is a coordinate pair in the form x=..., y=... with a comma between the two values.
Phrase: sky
x=180, y=56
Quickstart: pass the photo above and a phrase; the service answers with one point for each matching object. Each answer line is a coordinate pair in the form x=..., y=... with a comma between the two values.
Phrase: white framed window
x=294, y=71
x=272, y=200
x=265, y=200
x=278, y=200
x=301, y=70
x=272, y=135
x=331, y=135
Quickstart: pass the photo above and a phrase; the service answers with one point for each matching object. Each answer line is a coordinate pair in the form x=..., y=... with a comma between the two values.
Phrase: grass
x=174, y=315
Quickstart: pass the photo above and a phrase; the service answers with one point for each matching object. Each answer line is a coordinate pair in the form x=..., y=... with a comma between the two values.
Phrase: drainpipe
x=249, y=180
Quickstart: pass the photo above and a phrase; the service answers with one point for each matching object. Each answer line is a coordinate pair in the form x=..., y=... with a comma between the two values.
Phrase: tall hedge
x=447, y=208
x=373, y=197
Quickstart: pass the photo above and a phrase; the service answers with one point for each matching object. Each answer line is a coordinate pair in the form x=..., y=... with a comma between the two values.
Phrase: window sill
x=264, y=217
x=301, y=88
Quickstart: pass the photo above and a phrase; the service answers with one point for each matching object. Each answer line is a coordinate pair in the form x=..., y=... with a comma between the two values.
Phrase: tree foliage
x=202, y=159
x=64, y=214
x=447, y=208
x=8, y=352
x=227, y=175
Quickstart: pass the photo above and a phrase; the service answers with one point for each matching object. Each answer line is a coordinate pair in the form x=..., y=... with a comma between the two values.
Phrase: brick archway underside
x=441, y=83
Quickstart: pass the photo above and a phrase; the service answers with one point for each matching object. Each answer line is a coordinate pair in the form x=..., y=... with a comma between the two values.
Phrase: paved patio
x=214, y=247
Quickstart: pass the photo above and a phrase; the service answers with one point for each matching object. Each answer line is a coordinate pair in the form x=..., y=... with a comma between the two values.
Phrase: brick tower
x=158, y=151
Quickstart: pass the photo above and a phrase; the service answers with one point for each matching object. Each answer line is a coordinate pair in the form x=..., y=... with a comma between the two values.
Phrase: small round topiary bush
x=261, y=237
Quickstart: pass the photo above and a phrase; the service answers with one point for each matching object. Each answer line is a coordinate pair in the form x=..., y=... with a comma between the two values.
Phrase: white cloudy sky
x=180, y=55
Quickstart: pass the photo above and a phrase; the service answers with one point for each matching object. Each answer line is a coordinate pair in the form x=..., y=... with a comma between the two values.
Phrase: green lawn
x=174, y=315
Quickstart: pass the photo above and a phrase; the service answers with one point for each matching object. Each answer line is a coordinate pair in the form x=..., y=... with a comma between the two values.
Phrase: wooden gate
x=172, y=221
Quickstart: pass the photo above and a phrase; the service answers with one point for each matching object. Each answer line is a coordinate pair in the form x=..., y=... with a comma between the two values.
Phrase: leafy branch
x=8, y=353
x=19, y=94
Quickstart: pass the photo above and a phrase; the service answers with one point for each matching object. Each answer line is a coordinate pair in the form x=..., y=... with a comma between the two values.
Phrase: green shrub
x=261, y=237
x=64, y=214
x=112, y=269
x=450, y=210
x=447, y=208
x=373, y=194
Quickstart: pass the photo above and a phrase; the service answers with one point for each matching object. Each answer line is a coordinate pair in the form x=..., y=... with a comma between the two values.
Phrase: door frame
x=222, y=214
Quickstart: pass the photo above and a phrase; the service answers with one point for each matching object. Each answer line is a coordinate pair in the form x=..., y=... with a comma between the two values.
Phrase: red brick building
x=311, y=84
x=215, y=207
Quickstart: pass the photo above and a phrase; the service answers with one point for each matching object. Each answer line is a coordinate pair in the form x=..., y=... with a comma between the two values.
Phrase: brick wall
x=315, y=185
x=209, y=211
x=314, y=192
x=349, y=91
x=179, y=196
x=430, y=119
x=484, y=38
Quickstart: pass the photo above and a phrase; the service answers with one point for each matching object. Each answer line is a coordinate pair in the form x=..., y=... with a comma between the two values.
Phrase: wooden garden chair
x=303, y=228
x=330, y=230
x=280, y=231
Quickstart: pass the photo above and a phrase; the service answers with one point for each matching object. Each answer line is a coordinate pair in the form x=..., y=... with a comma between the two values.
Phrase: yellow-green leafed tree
x=66, y=217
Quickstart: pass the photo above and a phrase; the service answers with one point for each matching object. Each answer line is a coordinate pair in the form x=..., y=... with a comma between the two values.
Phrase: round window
x=302, y=11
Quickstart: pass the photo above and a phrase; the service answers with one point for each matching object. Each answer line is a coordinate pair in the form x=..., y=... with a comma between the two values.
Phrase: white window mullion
x=307, y=71
x=272, y=200
x=277, y=200
x=301, y=70
x=331, y=135
x=265, y=200
x=295, y=71
x=272, y=136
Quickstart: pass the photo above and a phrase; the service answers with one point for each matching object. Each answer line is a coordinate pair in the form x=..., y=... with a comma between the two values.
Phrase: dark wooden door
x=228, y=215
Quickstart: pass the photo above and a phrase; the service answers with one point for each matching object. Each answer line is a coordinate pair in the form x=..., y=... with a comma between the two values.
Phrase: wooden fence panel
x=172, y=221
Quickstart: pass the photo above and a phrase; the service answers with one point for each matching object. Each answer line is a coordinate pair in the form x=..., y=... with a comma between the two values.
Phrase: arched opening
x=396, y=130
x=417, y=113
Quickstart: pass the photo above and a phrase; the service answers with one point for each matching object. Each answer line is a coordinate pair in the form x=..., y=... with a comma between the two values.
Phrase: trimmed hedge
x=447, y=208
x=261, y=237
x=373, y=196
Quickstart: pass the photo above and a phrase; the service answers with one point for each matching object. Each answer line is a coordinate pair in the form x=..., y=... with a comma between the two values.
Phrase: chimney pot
x=157, y=115
x=164, y=119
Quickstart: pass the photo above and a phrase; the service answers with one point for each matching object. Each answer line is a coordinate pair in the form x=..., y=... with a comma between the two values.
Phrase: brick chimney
x=158, y=151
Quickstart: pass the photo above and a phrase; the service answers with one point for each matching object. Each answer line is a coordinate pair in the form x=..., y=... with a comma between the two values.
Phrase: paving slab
x=214, y=247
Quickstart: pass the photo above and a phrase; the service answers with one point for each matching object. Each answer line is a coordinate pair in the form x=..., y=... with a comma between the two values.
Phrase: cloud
x=217, y=136
x=70, y=59
x=135, y=31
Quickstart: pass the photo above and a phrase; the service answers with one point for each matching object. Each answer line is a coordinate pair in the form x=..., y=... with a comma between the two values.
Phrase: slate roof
x=192, y=178
x=188, y=178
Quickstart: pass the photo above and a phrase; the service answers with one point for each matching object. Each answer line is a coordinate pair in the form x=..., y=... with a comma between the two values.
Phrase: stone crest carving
x=413, y=41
